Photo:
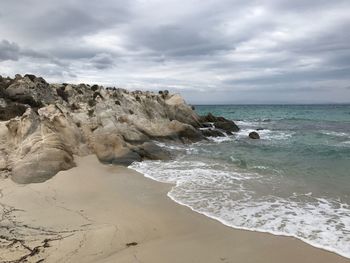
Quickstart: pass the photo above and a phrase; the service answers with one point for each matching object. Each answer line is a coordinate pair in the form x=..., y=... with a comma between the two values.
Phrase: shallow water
x=295, y=181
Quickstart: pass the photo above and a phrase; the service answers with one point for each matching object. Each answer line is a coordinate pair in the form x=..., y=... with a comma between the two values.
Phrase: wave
x=230, y=197
x=255, y=122
x=222, y=139
x=336, y=134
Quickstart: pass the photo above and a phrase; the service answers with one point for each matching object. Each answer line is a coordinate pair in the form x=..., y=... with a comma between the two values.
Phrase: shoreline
x=104, y=213
x=280, y=234
x=221, y=221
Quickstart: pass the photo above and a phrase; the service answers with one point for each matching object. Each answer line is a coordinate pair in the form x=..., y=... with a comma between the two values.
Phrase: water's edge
x=238, y=227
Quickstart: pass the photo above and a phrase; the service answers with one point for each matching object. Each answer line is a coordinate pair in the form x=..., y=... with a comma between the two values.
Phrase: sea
x=294, y=181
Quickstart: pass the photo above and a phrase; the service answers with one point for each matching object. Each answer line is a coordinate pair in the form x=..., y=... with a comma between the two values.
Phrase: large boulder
x=111, y=148
x=41, y=164
x=219, y=122
x=39, y=152
x=177, y=109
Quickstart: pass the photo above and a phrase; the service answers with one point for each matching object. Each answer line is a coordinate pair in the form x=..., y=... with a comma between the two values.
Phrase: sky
x=211, y=51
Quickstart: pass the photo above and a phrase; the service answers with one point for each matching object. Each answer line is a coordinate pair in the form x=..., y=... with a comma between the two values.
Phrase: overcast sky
x=212, y=51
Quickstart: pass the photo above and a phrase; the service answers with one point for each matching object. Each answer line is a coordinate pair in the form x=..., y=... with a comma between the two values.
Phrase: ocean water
x=295, y=181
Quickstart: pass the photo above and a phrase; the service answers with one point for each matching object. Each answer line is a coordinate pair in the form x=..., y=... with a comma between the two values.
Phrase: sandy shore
x=100, y=213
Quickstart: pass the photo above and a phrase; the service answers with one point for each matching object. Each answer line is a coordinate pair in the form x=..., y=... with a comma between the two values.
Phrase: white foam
x=265, y=134
x=229, y=197
x=221, y=139
x=246, y=123
x=336, y=134
x=170, y=146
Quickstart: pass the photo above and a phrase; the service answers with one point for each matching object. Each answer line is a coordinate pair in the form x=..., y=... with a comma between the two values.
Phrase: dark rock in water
x=254, y=135
x=212, y=133
x=228, y=126
x=260, y=129
x=220, y=123
x=150, y=150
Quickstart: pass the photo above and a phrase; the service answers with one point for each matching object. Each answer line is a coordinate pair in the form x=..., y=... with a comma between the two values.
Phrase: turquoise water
x=295, y=181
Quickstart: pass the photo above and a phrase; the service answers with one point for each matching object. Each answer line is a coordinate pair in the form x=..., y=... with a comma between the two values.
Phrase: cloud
x=8, y=50
x=232, y=49
x=102, y=61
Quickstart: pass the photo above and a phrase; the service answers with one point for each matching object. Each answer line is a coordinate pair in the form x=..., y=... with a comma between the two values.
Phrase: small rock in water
x=254, y=135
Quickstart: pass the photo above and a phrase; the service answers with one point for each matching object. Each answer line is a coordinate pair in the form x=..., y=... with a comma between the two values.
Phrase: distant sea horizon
x=267, y=104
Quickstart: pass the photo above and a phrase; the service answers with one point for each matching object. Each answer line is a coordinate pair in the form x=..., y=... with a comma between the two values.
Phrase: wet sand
x=103, y=213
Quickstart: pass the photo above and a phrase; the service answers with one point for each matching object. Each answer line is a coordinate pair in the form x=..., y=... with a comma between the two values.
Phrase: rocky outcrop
x=43, y=126
x=218, y=125
x=227, y=125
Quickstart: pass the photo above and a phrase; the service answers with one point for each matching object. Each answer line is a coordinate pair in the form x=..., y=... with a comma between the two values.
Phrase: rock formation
x=217, y=125
x=42, y=125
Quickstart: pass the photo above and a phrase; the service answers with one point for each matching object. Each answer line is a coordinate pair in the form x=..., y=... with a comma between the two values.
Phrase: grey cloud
x=229, y=48
x=12, y=51
x=294, y=77
x=8, y=50
x=63, y=19
x=179, y=41
x=102, y=61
